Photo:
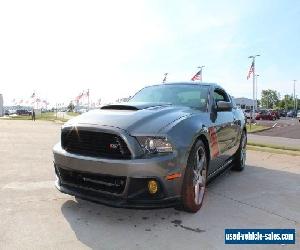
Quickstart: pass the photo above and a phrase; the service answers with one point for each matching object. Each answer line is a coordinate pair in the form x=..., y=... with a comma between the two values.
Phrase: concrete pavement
x=35, y=215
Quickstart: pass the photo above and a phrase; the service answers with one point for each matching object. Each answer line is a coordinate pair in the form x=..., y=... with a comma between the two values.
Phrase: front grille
x=96, y=144
x=95, y=182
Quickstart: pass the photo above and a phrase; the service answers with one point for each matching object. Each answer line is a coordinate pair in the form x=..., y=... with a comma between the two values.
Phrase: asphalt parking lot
x=283, y=127
x=35, y=215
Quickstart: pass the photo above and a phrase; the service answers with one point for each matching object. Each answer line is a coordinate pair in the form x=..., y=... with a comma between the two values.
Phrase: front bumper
x=116, y=201
x=136, y=173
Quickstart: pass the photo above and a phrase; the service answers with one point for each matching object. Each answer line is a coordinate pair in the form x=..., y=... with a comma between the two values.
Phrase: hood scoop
x=120, y=107
x=134, y=106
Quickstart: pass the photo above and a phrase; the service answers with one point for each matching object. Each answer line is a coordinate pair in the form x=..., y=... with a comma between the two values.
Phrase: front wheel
x=239, y=160
x=194, y=182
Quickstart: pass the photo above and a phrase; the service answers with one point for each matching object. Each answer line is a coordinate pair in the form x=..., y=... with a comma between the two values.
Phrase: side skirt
x=220, y=169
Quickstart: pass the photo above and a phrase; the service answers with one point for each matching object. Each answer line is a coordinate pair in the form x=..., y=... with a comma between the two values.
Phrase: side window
x=220, y=95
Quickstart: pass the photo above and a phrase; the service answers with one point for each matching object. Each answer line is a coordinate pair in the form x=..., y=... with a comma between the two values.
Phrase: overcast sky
x=60, y=48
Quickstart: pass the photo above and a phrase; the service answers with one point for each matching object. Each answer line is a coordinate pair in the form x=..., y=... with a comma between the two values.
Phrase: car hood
x=135, y=118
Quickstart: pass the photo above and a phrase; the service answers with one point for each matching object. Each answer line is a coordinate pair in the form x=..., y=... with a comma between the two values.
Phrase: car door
x=222, y=131
x=238, y=120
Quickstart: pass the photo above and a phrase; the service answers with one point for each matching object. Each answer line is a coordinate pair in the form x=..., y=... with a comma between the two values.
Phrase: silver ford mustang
x=158, y=149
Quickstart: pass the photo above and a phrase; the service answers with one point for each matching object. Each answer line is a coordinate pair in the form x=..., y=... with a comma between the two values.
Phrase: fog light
x=152, y=186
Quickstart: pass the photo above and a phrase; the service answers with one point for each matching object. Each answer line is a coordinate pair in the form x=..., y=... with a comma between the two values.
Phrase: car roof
x=188, y=83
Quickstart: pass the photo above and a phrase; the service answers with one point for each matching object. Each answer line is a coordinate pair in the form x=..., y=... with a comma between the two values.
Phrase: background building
x=245, y=103
x=1, y=105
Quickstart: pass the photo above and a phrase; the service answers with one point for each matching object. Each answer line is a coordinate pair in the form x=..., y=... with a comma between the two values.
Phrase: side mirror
x=224, y=106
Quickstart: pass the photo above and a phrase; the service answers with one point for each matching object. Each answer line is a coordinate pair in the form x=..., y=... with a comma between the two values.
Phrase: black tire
x=240, y=156
x=195, y=177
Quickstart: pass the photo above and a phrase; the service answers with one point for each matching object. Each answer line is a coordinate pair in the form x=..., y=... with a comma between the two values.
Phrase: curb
x=261, y=130
x=251, y=143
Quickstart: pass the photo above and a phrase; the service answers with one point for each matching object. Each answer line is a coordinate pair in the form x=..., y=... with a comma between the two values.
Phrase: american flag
x=250, y=70
x=198, y=76
x=77, y=98
x=165, y=78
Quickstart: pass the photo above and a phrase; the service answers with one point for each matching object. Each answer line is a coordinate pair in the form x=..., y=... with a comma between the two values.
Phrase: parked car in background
x=291, y=113
x=265, y=115
x=81, y=111
x=23, y=112
x=274, y=113
x=282, y=113
x=11, y=111
x=247, y=113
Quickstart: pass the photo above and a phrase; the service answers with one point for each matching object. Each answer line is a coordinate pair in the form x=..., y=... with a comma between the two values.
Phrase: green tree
x=71, y=106
x=270, y=98
x=287, y=102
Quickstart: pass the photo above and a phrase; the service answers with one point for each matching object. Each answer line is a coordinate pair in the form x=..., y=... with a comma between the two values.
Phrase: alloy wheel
x=243, y=150
x=199, y=178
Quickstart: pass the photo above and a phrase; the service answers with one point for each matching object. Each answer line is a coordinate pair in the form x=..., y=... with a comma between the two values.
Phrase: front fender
x=184, y=133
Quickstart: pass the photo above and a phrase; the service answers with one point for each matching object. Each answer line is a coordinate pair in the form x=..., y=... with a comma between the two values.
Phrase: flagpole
x=253, y=79
x=295, y=97
x=201, y=68
x=256, y=91
x=88, y=99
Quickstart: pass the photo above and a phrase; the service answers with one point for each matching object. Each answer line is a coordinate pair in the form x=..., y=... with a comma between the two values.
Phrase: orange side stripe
x=173, y=176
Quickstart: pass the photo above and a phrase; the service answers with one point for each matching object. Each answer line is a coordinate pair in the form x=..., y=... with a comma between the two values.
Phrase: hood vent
x=119, y=107
x=135, y=105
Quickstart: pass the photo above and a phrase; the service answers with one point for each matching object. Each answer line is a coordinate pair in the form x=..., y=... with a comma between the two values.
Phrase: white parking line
x=274, y=125
x=28, y=186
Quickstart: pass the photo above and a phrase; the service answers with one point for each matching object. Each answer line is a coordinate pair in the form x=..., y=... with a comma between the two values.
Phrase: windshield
x=194, y=96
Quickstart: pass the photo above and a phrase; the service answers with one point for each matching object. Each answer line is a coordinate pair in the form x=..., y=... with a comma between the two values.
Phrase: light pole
x=256, y=91
x=253, y=76
x=88, y=95
x=201, y=68
x=294, y=95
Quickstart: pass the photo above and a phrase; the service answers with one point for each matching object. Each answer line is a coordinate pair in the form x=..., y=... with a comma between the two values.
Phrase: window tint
x=220, y=95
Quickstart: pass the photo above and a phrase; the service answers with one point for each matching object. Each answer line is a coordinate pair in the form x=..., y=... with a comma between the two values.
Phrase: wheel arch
x=203, y=138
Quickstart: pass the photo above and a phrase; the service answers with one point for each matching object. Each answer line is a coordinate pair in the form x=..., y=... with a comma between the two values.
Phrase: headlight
x=154, y=145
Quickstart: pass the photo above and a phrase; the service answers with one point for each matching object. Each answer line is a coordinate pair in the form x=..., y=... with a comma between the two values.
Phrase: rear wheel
x=194, y=183
x=240, y=156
